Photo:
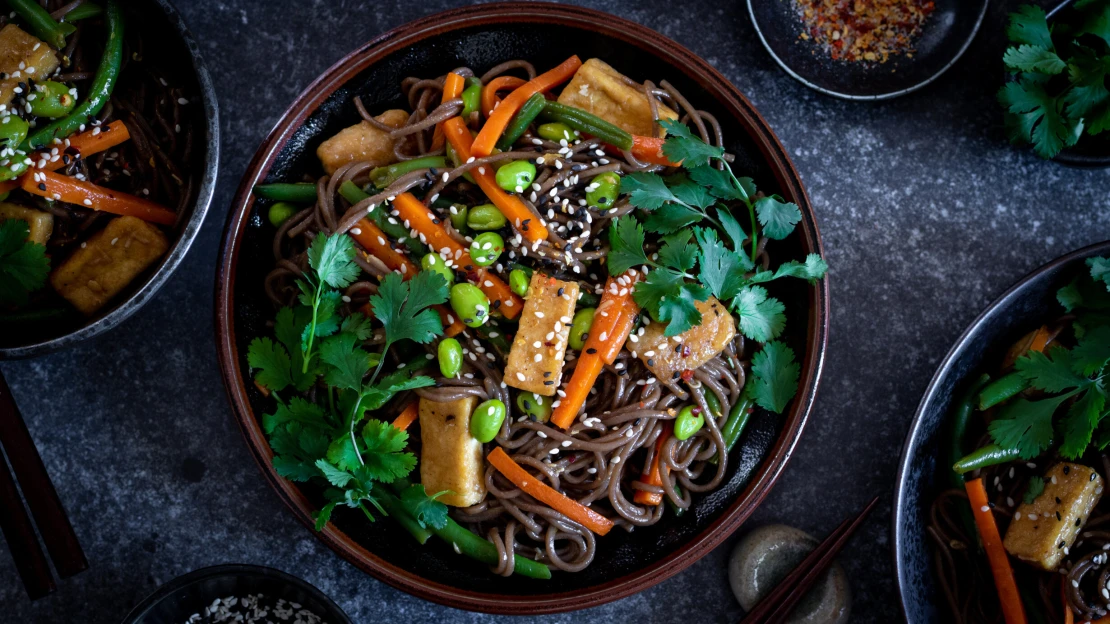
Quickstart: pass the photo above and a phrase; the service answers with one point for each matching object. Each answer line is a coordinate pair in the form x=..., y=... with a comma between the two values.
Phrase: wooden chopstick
x=42, y=499
x=22, y=542
x=778, y=604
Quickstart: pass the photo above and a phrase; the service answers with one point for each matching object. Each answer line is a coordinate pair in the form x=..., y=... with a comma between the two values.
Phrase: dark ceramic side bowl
x=1026, y=304
x=480, y=37
x=177, y=600
x=178, y=51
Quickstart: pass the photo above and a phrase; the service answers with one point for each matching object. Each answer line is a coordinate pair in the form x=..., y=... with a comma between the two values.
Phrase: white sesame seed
x=984, y=509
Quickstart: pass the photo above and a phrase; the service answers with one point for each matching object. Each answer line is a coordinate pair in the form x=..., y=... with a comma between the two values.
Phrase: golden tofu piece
x=17, y=47
x=599, y=89
x=536, y=359
x=107, y=262
x=1042, y=530
x=450, y=458
x=362, y=142
x=666, y=357
x=41, y=223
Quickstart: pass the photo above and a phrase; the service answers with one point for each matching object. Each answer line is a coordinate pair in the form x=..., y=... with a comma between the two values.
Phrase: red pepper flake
x=869, y=31
x=687, y=375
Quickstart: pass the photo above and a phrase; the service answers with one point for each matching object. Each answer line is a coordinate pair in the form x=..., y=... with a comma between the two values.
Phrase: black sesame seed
x=1058, y=518
x=591, y=350
x=42, y=187
x=651, y=362
x=496, y=304
x=1060, y=545
x=603, y=200
x=1057, y=500
x=547, y=373
x=1078, y=521
x=561, y=291
x=527, y=404
x=1067, y=469
x=549, y=383
x=1092, y=477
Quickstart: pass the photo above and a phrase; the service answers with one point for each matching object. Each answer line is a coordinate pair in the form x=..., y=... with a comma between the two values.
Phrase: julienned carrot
x=86, y=143
x=1040, y=340
x=490, y=100
x=417, y=217
x=613, y=320
x=540, y=491
x=452, y=88
x=514, y=210
x=499, y=119
x=407, y=416
x=1012, y=608
x=377, y=244
x=651, y=474
x=81, y=193
x=650, y=149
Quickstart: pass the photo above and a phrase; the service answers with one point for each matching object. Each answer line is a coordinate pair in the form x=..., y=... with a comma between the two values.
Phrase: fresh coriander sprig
x=23, y=264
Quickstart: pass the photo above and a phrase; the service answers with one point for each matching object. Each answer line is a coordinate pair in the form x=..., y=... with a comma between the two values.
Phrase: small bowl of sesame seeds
x=237, y=593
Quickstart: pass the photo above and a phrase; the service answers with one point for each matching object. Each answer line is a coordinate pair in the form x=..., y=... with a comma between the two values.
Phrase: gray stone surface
x=927, y=215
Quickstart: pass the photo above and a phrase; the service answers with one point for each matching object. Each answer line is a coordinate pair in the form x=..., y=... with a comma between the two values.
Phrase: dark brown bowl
x=480, y=37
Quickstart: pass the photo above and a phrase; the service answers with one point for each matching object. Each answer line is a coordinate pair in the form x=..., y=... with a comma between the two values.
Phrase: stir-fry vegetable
x=542, y=492
x=1012, y=608
x=73, y=191
x=499, y=119
x=453, y=85
x=523, y=118
x=41, y=23
x=298, y=193
x=650, y=475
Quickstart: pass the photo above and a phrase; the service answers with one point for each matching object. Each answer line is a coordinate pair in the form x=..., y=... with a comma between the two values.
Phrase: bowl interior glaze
x=480, y=39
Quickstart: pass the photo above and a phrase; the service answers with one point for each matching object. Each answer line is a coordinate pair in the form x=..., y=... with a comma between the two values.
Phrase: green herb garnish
x=23, y=264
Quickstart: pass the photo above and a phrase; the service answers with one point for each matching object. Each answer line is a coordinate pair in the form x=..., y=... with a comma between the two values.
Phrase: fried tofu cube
x=107, y=262
x=450, y=458
x=599, y=89
x=17, y=47
x=362, y=142
x=536, y=358
x=1042, y=530
x=667, y=358
x=40, y=223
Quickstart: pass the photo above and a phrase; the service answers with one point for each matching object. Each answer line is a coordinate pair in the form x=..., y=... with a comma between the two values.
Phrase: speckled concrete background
x=927, y=215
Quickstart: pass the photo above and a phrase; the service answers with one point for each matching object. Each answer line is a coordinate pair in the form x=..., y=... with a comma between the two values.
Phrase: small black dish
x=1025, y=304
x=945, y=36
x=176, y=601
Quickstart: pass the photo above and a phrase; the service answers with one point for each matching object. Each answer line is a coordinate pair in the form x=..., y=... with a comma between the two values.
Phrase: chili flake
x=864, y=30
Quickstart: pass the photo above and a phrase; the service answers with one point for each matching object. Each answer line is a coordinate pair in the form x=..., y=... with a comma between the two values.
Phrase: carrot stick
x=650, y=149
x=1069, y=616
x=86, y=143
x=540, y=491
x=407, y=416
x=613, y=320
x=1012, y=608
x=1040, y=340
x=416, y=216
x=452, y=88
x=514, y=210
x=499, y=119
x=651, y=474
x=79, y=192
x=490, y=100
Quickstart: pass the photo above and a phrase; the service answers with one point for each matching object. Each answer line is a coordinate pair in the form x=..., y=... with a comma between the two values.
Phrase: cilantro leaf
x=23, y=264
x=289, y=328
x=347, y=364
x=683, y=147
x=298, y=411
x=294, y=469
x=1026, y=425
x=342, y=452
x=1100, y=270
x=669, y=298
x=402, y=307
x=1029, y=25
x=717, y=182
x=762, y=318
x=647, y=190
x=813, y=268
x=1092, y=352
x=378, y=395
x=332, y=257
x=338, y=478
x=775, y=376
x=626, y=245
x=1080, y=422
x=1033, y=58
x=426, y=509
x=272, y=362
x=671, y=218
x=677, y=252
x=1033, y=490
x=691, y=193
x=358, y=325
x=722, y=270
x=323, y=516
x=777, y=217
x=732, y=228
x=1096, y=18
x=1038, y=117
x=1051, y=372
x=1088, y=97
x=1069, y=296
x=383, y=457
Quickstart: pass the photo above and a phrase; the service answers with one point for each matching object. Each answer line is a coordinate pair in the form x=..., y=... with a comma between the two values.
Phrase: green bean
x=714, y=403
x=586, y=297
x=13, y=130
x=40, y=23
x=518, y=282
x=38, y=315
x=486, y=248
x=470, y=303
x=688, y=422
x=433, y=262
x=584, y=122
x=556, y=131
x=536, y=406
x=989, y=455
x=485, y=217
x=459, y=214
x=678, y=511
x=395, y=509
x=737, y=421
x=605, y=189
x=454, y=159
x=471, y=97
x=516, y=176
x=450, y=354
x=280, y=212
x=51, y=99
x=580, y=328
x=486, y=420
x=100, y=91
x=298, y=193
x=961, y=417
x=382, y=177
x=523, y=118
x=352, y=193
x=1003, y=388
x=85, y=10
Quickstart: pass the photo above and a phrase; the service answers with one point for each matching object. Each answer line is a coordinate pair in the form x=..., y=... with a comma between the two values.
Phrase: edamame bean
x=535, y=406
x=471, y=96
x=516, y=176
x=450, y=357
x=486, y=421
x=470, y=303
x=518, y=282
x=580, y=327
x=485, y=217
x=432, y=262
x=605, y=187
x=51, y=99
x=280, y=212
x=688, y=422
x=557, y=131
x=13, y=131
x=486, y=248
x=458, y=214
